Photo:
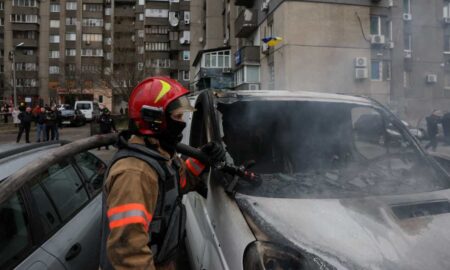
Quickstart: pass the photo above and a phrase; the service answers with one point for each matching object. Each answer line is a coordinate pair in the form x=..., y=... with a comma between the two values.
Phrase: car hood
x=395, y=232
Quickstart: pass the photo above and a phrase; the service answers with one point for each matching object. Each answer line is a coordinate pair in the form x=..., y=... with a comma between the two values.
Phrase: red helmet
x=149, y=101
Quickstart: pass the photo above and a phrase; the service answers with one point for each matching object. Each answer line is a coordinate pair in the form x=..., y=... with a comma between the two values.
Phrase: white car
x=342, y=185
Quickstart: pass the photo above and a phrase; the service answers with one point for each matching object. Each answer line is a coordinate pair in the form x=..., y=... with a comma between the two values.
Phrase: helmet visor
x=180, y=104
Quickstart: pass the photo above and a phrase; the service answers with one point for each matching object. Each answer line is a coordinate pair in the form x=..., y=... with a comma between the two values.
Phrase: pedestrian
x=41, y=131
x=143, y=217
x=106, y=123
x=25, y=118
x=50, y=124
x=58, y=122
x=121, y=111
x=15, y=116
x=432, y=128
x=5, y=111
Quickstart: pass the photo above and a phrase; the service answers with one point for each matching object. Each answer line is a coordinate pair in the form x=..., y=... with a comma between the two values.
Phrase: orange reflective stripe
x=129, y=207
x=183, y=181
x=195, y=166
x=126, y=221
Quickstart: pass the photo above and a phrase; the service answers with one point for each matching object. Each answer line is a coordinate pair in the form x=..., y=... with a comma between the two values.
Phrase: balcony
x=125, y=27
x=245, y=3
x=123, y=12
x=246, y=23
x=26, y=58
x=175, y=45
x=26, y=42
x=247, y=55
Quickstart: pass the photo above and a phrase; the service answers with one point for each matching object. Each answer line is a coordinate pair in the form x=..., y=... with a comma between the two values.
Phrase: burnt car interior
x=324, y=149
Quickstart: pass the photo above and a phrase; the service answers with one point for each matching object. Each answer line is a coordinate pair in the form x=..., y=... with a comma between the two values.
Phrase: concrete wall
x=318, y=49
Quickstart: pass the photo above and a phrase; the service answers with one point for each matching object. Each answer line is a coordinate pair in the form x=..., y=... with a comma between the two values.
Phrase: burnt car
x=72, y=117
x=50, y=205
x=341, y=184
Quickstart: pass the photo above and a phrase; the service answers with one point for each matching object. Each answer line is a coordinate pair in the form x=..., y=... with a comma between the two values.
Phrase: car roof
x=13, y=158
x=288, y=95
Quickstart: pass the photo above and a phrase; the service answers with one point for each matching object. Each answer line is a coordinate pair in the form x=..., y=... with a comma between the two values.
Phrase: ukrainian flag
x=271, y=41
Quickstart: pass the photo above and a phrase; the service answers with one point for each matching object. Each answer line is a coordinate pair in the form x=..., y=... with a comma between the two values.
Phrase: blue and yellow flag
x=272, y=41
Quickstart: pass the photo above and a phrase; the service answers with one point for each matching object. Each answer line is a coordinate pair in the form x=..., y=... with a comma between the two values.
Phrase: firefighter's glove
x=214, y=151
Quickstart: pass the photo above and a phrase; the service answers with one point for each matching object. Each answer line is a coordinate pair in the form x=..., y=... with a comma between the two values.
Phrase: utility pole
x=13, y=56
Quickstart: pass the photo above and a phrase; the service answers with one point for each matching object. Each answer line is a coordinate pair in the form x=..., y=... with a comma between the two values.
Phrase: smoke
x=324, y=149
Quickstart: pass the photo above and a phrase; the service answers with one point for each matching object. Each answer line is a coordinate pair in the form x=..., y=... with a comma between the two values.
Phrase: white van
x=90, y=109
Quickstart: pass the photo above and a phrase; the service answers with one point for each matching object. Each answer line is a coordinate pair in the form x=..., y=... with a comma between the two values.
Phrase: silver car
x=50, y=207
x=342, y=184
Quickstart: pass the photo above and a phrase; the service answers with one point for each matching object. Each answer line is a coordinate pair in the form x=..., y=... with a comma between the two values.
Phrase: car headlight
x=269, y=256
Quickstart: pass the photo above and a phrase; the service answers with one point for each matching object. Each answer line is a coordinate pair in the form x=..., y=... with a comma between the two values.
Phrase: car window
x=93, y=168
x=15, y=239
x=65, y=189
x=325, y=150
x=83, y=106
x=47, y=212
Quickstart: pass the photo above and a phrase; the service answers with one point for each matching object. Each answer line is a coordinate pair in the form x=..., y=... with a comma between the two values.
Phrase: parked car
x=72, y=117
x=53, y=219
x=90, y=109
x=332, y=193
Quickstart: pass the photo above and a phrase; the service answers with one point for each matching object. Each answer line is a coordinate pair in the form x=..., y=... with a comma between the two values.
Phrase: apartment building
x=90, y=49
x=395, y=51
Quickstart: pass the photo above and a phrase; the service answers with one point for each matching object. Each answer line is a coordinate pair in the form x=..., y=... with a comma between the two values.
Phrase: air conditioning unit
x=407, y=16
x=447, y=20
x=265, y=6
x=431, y=78
x=390, y=3
x=361, y=73
x=227, y=70
x=187, y=21
x=253, y=86
x=265, y=48
x=390, y=45
x=361, y=62
x=408, y=54
x=377, y=39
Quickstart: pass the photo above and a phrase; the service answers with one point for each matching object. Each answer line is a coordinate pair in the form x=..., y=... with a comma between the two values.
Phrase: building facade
x=395, y=51
x=90, y=49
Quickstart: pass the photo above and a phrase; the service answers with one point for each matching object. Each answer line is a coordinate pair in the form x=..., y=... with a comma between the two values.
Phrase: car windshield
x=309, y=149
x=83, y=106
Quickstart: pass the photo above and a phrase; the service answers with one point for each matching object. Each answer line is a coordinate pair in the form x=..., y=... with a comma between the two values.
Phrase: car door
x=70, y=217
x=17, y=246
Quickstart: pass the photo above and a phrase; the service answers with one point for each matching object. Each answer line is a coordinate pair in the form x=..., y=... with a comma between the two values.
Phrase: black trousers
x=23, y=128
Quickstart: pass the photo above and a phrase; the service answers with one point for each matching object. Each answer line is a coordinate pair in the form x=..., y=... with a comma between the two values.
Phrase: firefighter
x=142, y=209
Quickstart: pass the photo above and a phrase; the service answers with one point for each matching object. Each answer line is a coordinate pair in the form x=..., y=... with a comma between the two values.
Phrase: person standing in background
x=25, y=122
x=40, y=126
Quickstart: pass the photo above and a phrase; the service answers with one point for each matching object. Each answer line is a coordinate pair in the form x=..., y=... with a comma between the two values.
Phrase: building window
x=157, y=63
x=185, y=75
x=379, y=25
x=53, y=70
x=108, y=56
x=406, y=79
x=156, y=46
x=247, y=74
x=28, y=52
x=24, y=18
x=71, y=52
x=160, y=30
x=407, y=40
x=71, y=36
x=108, y=11
x=71, y=6
x=92, y=37
x=54, y=8
x=1, y=6
x=54, y=24
x=26, y=66
x=24, y=3
x=92, y=52
x=407, y=6
x=141, y=33
x=140, y=66
x=107, y=26
x=71, y=21
x=141, y=2
x=54, y=54
x=140, y=49
x=93, y=22
x=220, y=59
x=54, y=38
x=92, y=7
x=376, y=70
x=108, y=41
x=141, y=17
x=157, y=13
x=186, y=55
x=446, y=10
